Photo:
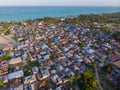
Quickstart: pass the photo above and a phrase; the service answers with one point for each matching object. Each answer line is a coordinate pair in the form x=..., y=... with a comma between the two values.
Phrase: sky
x=59, y=2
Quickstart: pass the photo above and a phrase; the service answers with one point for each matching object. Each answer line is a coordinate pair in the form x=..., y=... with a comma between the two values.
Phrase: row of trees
x=101, y=18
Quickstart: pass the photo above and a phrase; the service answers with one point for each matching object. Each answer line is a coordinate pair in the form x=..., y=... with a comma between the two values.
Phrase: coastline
x=23, y=13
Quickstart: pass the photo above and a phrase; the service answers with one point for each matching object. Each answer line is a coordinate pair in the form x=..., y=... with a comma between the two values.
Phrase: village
x=45, y=56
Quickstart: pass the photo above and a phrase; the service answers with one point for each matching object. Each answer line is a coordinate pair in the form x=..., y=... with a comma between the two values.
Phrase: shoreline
x=59, y=17
x=23, y=13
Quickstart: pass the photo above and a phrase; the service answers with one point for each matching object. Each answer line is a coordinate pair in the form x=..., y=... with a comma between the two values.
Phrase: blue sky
x=59, y=2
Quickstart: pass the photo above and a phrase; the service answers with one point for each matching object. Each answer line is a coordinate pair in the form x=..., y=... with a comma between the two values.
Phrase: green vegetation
x=6, y=56
x=27, y=70
x=108, y=68
x=53, y=53
x=77, y=76
x=71, y=79
x=1, y=83
x=33, y=64
x=51, y=20
x=100, y=18
x=116, y=35
x=5, y=28
x=44, y=69
x=105, y=82
x=88, y=82
x=113, y=18
x=53, y=67
x=82, y=44
x=28, y=58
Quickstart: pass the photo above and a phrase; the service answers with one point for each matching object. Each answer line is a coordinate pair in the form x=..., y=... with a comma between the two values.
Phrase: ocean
x=23, y=13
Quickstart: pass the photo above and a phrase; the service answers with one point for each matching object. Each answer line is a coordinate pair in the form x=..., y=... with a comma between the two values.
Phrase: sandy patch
x=6, y=41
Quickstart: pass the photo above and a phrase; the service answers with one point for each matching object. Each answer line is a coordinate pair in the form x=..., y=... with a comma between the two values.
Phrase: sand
x=6, y=41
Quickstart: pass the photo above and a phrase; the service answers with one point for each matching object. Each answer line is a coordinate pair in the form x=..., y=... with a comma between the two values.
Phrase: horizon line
x=54, y=6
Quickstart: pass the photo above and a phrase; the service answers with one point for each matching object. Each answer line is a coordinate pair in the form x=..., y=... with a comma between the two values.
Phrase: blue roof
x=71, y=27
x=55, y=39
x=52, y=28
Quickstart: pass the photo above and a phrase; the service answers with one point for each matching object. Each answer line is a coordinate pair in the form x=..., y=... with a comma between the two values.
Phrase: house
x=46, y=57
x=44, y=72
x=17, y=74
x=68, y=62
x=16, y=60
x=59, y=68
x=43, y=45
x=88, y=50
x=3, y=67
x=33, y=59
x=69, y=27
x=78, y=58
x=112, y=58
x=17, y=53
x=68, y=54
x=35, y=70
x=68, y=71
x=16, y=87
x=42, y=85
x=75, y=68
x=60, y=88
x=83, y=68
x=24, y=56
x=55, y=39
x=65, y=49
x=39, y=76
x=117, y=64
x=4, y=78
x=56, y=79
x=29, y=79
x=61, y=56
x=20, y=46
x=10, y=47
x=2, y=53
x=100, y=63
x=107, y=45
x=86, y=60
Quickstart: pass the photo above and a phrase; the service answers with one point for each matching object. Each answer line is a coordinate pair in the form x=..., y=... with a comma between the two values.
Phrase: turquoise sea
x=32, y=12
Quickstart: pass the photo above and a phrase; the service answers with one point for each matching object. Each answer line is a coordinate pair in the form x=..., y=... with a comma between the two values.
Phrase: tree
x=108, y=68
x=53, y=53
x=28, y=58
x=1, y=83
x=93, y=81
x=77, y=76
x=116, y=35
x=82, y=44
x=89, y=79
x=6, y=56
x=87, y=73
x=101, y=57
x=71, y=79
x=94, y=64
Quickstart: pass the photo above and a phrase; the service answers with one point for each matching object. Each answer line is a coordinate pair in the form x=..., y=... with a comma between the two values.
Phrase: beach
x=6, y=41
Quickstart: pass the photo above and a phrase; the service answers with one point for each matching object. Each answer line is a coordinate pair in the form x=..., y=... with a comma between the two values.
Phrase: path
x=96, y=72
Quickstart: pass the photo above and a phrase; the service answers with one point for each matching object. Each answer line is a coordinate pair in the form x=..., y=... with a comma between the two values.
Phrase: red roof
x=113, y=57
